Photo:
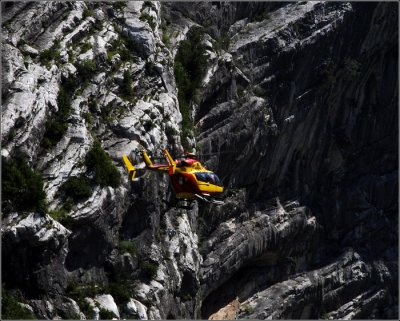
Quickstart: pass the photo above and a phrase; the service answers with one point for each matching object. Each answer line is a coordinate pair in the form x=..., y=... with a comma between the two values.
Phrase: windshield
x=208, y=178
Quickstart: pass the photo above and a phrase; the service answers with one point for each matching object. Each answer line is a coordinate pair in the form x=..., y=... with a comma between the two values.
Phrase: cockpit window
x=208, y=178
x=216, y=179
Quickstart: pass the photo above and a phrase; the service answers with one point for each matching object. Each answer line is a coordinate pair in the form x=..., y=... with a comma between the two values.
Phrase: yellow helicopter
x=189, y=178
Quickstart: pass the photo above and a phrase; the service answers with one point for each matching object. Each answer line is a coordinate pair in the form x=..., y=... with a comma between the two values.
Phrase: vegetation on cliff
x=12, y=309
x=22, y=187
x=189, y=69
x=105, y=172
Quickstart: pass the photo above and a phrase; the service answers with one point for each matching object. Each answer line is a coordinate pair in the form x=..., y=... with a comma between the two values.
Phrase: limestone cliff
x=297, y=111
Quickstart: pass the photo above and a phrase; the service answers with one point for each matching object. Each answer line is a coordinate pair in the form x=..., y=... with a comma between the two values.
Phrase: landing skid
x=184, y=204
x=181, y=203
x=188, y=204
x=208, y=200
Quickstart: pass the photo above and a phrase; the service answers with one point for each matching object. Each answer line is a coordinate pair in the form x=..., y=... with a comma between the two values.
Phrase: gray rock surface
x=40, y=246
x=299, y=128
x=341, y=290
x=299, y=108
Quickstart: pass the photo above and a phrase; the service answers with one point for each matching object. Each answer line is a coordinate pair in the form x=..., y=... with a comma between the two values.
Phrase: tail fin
x=130, y=168
x=147, y=160
x=172, y=164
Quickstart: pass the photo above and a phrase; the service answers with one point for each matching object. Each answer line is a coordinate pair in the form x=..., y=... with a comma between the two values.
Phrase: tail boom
x=151, y=166
x=171, y=162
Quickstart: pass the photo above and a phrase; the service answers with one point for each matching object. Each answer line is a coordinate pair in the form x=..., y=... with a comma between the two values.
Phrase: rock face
x=300, y=127
x=298, y=107
x=317, y=292
x=39, y=245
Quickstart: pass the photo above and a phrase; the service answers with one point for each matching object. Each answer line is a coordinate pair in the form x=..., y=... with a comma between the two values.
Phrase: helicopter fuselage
x=191, y=178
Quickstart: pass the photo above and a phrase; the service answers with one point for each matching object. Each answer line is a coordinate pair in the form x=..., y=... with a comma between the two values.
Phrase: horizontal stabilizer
x=130, y=168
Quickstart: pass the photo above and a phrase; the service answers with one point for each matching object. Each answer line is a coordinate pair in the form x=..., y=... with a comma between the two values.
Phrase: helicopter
x=190, y=180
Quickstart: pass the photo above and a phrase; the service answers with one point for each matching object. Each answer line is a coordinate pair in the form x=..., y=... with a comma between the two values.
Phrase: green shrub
x=54, y=132
x=260, y=16
x=149, y=269
x=58, y=124
x=58, y=214
x=69, y=314
x=105, y=172
x=85, y=47
x=187, y=297
x=76, y=291
x=69, y=85
x=71, y=56
x=126, y=86
x=191, y=55
x=48, y=55
x=53, y=53
x=189, y=69
x=68, y=204
x=259, y=91
x=110, y=56
x=79, y=293
x=125, y=55
x=127, y=47
x=86, y=70
x=127, y=246
x=129, y=43
x=145, y=17
x=223, y=42
x=87, y=117
x=87, y=13
x=92, y=104
x=98, y=25
x=106, y=314
x=61, y=215
x=106, y=112
x=166, y=36
x=352, y=68
x=85, y=308
x=150, y=68
x=148, y=125
x=78, y=188
x=119, y=5
x=170, y=131
x=12, y=310
x=119, y=292
x=22, y=187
